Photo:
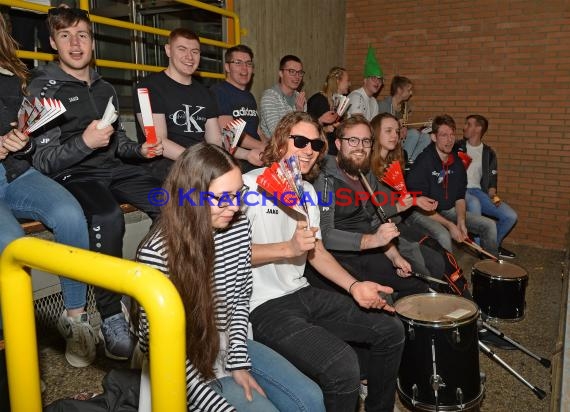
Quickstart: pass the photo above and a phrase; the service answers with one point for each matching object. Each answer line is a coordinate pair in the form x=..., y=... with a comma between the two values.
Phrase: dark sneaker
x=489, y=338
x=506, y=254
x=118, y=339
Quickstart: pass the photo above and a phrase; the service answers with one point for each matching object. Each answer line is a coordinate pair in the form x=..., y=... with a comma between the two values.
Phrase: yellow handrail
x=84, y=4
x=148, y=286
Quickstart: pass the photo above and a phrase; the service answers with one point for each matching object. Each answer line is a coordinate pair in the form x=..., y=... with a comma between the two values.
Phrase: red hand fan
x=274, y=181
x=394, y=177
x=465, y=159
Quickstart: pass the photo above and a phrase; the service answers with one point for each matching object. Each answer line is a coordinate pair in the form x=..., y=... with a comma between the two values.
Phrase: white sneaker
x=80, y=339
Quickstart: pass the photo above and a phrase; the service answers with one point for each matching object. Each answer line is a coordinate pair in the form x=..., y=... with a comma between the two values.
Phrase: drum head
x=436, y=309
x=500, y=269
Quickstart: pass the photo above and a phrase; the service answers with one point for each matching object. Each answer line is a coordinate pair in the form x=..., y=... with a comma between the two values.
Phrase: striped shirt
x=232, y=291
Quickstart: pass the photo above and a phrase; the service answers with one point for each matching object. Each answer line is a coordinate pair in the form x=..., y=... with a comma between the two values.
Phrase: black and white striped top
x=232, y=291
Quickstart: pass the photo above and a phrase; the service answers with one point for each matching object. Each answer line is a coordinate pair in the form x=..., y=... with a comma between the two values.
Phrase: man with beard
x=439, y=174
x=351, y=229
x=307, y=325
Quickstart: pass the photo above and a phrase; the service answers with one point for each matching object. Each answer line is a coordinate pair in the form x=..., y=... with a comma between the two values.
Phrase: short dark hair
x=399, y=82
x=288, y=58
x=63, y=17
x=236, y=49
x=182, y=32
x=352, y=121
x=481, y=121
x=442, y=120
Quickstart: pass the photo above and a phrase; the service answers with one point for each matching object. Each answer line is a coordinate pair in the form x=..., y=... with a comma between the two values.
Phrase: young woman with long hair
x=387, y=144
x=322, y=105
x=204, y=247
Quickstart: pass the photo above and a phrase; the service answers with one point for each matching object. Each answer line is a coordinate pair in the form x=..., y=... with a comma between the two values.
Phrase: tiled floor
x=538, y=332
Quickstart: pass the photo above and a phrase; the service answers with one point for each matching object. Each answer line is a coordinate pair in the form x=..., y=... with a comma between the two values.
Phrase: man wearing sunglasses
x=352, y=230
x=284, y=97
x=307, y=325
x=236, y=101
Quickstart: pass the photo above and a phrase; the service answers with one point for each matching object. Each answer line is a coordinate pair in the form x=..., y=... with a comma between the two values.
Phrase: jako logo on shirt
x=188, y=118
x=244, y=112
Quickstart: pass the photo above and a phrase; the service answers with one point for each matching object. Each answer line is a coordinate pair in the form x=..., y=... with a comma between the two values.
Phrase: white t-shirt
x=273, y=223
x=475, y=169
x=360, y=103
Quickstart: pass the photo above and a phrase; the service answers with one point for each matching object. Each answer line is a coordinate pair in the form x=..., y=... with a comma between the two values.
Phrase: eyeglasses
x=355, y=141
x=240, y=63
x=301, y=142
x=228, y=199
x=294, y=72
x=74, y=12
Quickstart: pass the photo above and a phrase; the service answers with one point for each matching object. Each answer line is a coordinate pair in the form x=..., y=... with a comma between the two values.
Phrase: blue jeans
x=482, y=226
x=479, y=203
x=286, y=388
x=35, y=196
x=311, y=328
x=415, y=143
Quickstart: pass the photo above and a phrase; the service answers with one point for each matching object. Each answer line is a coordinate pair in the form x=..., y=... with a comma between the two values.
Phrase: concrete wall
x=312, y=30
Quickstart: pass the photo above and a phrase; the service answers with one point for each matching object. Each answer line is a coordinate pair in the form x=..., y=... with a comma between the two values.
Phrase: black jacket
x=343, y=219
x=60, y=146
x=10, y=100
x=444, y=183
x=489, y=166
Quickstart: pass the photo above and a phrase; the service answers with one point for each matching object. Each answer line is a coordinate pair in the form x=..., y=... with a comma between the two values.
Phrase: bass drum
x=499, y=289
x=440, y=365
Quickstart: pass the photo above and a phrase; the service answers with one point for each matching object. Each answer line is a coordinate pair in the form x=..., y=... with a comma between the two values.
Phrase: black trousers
x=100, y=192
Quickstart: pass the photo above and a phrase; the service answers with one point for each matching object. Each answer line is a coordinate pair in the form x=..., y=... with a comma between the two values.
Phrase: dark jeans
x=311, y=327
x=373, y=265
x=100, y=193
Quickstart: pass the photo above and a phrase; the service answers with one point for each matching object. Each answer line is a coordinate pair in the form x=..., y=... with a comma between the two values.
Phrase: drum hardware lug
x=459, y=396
x=411, y=332
x=436, y=382
x=414, y=394
x=456, y=336
x=482, y=378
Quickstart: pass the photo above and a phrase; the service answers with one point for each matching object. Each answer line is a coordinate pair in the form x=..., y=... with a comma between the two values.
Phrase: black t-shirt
x=186, y=107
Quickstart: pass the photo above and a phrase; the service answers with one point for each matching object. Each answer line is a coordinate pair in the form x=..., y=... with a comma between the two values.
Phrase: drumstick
x=425, y=124
x=379, y=209
x=429, y=278
x=478, y=248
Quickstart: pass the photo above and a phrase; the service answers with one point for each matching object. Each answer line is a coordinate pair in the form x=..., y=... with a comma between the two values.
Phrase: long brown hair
x=378, y=164
x=277, y=147
x=188, y=234
x=8, y=58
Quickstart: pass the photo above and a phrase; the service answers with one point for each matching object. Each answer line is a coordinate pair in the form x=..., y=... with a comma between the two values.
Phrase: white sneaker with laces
x=80, y=339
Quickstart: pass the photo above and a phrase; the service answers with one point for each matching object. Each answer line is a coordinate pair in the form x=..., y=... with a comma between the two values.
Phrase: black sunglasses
x=301, y=142
x=72, y=12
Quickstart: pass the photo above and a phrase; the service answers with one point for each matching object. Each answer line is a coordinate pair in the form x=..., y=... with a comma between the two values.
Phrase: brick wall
x=507, y=60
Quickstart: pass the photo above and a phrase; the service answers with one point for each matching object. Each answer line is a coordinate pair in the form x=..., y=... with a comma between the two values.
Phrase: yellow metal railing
x=84, y=4
x=148, y=286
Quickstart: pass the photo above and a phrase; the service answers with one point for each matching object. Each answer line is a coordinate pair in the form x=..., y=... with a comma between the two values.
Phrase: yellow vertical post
x=148, y=286
x=84, y=4
x=20, y=337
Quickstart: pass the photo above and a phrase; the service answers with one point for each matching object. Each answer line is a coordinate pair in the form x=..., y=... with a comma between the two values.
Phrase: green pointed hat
x=371, y=66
